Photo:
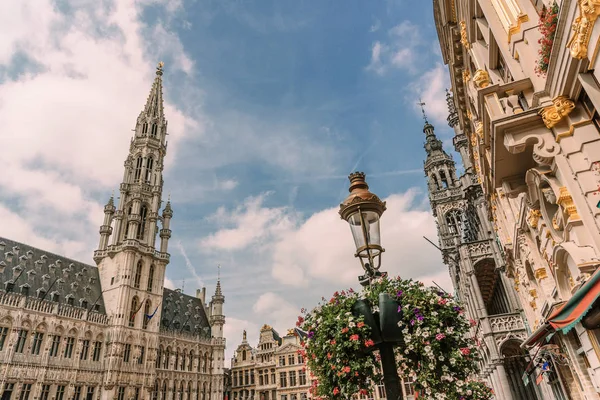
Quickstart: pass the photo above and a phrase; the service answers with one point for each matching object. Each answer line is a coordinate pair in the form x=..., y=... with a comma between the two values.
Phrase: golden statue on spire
x=161, y=65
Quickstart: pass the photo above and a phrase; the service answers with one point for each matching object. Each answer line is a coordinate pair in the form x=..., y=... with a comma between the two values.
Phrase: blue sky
x=271, y=104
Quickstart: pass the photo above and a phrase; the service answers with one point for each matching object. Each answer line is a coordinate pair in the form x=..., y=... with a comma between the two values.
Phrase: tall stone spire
x=154, y=107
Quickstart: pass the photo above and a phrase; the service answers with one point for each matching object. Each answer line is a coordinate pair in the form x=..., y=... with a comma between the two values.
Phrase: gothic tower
x=217, y=320
x=132, y=270
x=471, y=251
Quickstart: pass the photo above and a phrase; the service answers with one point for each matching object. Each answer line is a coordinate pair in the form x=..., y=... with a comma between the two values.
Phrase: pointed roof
x=154, y=104
x=218, y=289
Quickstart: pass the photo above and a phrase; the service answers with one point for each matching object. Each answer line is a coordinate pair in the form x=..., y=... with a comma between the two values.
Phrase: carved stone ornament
x=479, y=129
x=582, y=27
x=561, y=107
x=566, y=201
x=481, y=78
x=534, y=217
x=464, y=39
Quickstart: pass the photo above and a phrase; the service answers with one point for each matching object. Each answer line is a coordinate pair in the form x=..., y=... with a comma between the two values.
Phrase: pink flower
x=360, y=324
x=472, y=322
x=336, y=391
x=346, y=369
x=440, y=336
x=442, y=301
x=354, y=337
x=345, y=330
x=369, y=343
x=465, y=351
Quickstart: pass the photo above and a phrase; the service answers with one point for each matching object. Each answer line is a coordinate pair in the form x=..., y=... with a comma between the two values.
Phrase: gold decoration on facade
x=561, y=107
x=479, y=129
x=516, y=27
x=265, y=327
x=571, y=281
x=474, y=140
x=533, y=293
x=469, y=114
x=534, y=217
x=481, y=78
x=464, y=38
x=476, y=156
x=453, y=10
x=291, y=332
x=582, y=27
x=566, y=201
x=533, y=305
x=540, y=273
x=466, y=75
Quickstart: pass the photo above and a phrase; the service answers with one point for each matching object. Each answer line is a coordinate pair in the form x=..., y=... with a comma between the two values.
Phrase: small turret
x=105, y=228
x=165, y=232
x=217, y=319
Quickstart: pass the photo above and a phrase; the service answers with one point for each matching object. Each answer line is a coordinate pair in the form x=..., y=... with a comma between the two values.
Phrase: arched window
x=167, y=357
x=149, y=166
x=200, y=362
x=204, y=391
x=183, y=358
x=150, y=278
x=205, y=363
x=142, y=225
x=444, y=179
x=244, y=355
x=145, y=128
x=155, y=390
x=189, y=391
x=434, y=181
x=181, y=390
x=146, y=312
x=129, y=211
x=176, y=360
x=138, y=168
x=134, y=307
x=154, y=130
x=191, y=360
x=138, y=275
x=164, y=390
x=454, y=222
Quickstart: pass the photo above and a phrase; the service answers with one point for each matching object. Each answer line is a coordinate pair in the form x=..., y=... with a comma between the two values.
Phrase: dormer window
x=25, y=290
x=9, y=286
x=70, y=300
x=41, y=293
x=83, y=303
x=55, y=297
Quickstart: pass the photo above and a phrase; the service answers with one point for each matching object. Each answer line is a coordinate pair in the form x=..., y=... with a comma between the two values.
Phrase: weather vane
x=219, y=272
x=421, y=103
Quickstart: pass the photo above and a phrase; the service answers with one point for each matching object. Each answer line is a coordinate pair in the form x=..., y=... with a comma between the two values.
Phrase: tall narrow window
x=55, y=346
x=26, y=391
x=138, y=275
x=21, y=339
x=85, y=350
x=142, y=225
x=60, y=392
x=138, y=168
x=142, y=354
x=134, y=307
x=146, y=312
x=127, y=352
x=45, y=395
x=154, y=130
x=149, y=166
x=150, y=278
x=97, y=350
x=145, y=128
x=69, y=347
x=37, y=343
x=3, y=334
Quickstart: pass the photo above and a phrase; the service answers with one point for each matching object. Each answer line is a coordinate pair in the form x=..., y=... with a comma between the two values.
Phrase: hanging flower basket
x=427, y=326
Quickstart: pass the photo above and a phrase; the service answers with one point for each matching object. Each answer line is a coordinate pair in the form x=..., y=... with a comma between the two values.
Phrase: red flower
x=329, y=355
x=345, y=330
x=346, y=369
x=360, y=324
x=369, y=343
x=332, y=342
x=336, y=391
x=465, y=351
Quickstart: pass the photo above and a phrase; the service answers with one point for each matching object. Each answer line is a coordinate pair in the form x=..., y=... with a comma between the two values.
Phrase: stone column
x=504, y=382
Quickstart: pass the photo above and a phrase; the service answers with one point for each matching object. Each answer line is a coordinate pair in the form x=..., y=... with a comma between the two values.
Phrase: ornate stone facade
x=536, y=156
x=74, y=331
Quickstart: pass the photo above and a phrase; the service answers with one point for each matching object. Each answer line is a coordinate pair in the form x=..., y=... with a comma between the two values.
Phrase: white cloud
x=399, y=51
x=169, y=284
x=280, y=313
x=89, y=75
x=321, y=247
x=430, y=87
x=233, y=331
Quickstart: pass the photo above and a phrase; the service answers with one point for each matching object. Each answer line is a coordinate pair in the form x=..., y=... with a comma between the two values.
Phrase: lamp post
x=362, y=210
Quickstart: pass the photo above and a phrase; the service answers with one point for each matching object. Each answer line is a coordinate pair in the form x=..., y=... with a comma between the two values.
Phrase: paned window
x=121, y=393
x=142, y=354
x=138, y=275
x=90, y=393
x=97, y=350
x=37, y=343
x=69, y=347
x=281, y=361
x=45, y=395
x=291, y=359
x=60, y=392
x=292, y=378
x=25, y=391
x=55, y=345
x=85, y=348
x=302, y=377
x=77, y=393
x=21, y=340
x=282, y=379
x=150, y=278
x=3, y=334
x=127, y=352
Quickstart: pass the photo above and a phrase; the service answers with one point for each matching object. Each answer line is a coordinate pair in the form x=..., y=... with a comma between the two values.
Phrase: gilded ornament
x=533, y=305
x=533, y=293
x=469, y=114
x=464, y=39
x=561, y=107
x=582, y=27
x=540, y=273
x=474, y=141
x=481, y=78
x=479, y=129
x=566, y=201
x=534, y=217
x=466, y=75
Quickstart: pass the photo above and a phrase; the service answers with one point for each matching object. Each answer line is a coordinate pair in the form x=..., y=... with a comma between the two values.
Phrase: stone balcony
x=503, y=327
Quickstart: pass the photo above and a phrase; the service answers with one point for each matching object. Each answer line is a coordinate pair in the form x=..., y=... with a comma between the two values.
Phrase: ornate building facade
x=520, y=229
x=112, y=331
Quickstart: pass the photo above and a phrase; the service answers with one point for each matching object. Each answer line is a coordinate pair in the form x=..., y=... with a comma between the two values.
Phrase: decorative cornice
x=481, y=78
x=582, y=27
x=516, y=27
x=561, y=107
x=569, y=133
x=464, y=39
x=566, y=201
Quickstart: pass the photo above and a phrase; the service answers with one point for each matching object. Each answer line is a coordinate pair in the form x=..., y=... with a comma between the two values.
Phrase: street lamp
x=362, y=210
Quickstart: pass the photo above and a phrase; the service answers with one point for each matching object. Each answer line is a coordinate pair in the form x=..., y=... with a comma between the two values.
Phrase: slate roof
x=183, y=313
x=31, y=271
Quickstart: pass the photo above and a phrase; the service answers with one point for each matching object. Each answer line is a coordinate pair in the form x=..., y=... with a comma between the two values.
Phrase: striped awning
x=570, y=313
